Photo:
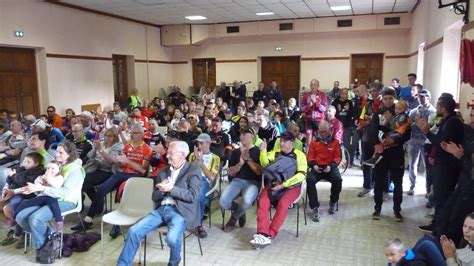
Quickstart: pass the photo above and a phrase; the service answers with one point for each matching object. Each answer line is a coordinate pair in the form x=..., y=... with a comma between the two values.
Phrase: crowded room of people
x=237, y=132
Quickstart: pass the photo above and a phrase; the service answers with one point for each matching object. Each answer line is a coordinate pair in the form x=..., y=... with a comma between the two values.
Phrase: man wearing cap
x=221, y=143
x=289, y=189
x=392, y=165
x=245, y=179
x=209, y=164
x=418, y=143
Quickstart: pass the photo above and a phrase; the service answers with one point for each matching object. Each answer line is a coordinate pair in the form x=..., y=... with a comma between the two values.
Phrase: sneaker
x=115, y=231
x=242, y=220
x=260, y=241
x=315, y=217
x=9, y=239
x=429, y=205
x=426, y=228
x=398, y=217
x=411, y=192
x=87, y=226
x=376, y=215
x=230, y=225
x=200, y=232
x=332, y=207
x=18, y=232
x=363, y=192
x=386, y=196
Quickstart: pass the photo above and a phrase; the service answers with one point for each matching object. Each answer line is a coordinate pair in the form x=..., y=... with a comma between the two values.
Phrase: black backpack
x=50, y=250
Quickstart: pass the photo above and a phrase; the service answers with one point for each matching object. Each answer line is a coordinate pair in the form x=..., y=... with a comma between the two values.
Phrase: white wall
x=60, y=30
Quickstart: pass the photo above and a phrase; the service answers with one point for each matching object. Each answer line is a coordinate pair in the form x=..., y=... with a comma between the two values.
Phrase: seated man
x=12, y=148
x=324, y=155
x=176, y=195
x=287, y=191
x=83, y=145
x=245, y=171
x=209, y=164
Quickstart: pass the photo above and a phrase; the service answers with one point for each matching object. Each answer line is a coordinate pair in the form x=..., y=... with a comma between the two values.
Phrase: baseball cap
x=247, y=130
x=203, y=138
x=424, y=93
x=287, y=136
x=173, y=134
x=39, y=123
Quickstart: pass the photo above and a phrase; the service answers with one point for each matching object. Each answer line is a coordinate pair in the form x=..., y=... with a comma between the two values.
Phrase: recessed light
x=340, y=8
x=196, y=17
x=264, y=13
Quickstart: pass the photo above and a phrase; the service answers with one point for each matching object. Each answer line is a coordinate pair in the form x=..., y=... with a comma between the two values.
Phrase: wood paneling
x=204, y=71
x=366, y=67
x=120, y=79
x=18, y=80
x=285, y=71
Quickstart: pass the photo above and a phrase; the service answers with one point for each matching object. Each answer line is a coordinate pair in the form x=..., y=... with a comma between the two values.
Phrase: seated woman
x=465, y=255
x=234, y=131
x=35, y=219
x=67, y=121
x=101, y=164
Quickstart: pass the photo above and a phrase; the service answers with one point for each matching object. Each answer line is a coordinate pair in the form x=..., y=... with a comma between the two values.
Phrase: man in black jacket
x=176, y=194
x=275, y=93
x=260, y=94
x=447, y=167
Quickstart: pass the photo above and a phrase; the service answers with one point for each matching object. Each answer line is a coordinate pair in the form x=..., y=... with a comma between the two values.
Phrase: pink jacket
x=337, y=129
x=314, y=112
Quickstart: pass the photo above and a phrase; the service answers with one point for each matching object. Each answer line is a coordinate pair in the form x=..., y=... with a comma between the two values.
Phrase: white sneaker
x=363, y=192
x=260, y=241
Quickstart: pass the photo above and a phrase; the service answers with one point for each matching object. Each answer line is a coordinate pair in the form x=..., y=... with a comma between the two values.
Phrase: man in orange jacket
x=324, y=155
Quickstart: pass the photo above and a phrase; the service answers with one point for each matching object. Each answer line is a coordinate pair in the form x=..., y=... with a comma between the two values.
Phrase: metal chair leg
x=199, y=242
x=209, y=202
x=102, y=241
x=304, y=211
x=297, y=218
x=184, y=248
x=223, y=217
x=161, y=241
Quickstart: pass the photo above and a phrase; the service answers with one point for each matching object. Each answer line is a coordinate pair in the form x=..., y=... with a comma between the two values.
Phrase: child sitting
x=391, y=126
x=51, y=178
x=29, y=170
x=397, y=254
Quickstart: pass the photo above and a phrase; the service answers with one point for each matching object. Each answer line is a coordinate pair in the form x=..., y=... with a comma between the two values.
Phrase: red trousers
x=263, y=213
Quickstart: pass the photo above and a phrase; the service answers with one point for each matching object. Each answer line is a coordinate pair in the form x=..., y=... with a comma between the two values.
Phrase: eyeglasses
x=191, y=117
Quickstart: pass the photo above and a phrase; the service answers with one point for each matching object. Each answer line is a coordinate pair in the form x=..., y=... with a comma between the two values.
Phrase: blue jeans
x=163, y=215
x=249, y=191
x=431, y=250
x=35, y=220
x=202, y=195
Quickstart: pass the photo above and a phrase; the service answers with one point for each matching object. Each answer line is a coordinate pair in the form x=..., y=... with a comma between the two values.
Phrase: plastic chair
x=63, y=214
x=215, y=188
x=135, y=204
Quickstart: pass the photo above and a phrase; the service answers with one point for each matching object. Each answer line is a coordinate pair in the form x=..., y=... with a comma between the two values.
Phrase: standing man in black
x=447, y=167
x=238, y=93
x=260, y=94
x=275, y=94
x=224, y=93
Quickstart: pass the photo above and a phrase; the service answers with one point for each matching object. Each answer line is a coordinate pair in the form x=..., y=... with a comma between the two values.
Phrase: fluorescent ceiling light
x=196, y=17
x=340, y=8
x=264, y=13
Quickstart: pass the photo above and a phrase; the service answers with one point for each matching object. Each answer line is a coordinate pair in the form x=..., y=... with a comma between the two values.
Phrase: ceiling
x=164, y=12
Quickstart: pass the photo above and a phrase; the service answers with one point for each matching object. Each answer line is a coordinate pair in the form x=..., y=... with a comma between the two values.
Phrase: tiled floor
x=350, y=237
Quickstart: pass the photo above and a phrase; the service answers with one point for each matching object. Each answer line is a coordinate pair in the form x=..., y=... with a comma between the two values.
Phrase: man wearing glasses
x=54, y=119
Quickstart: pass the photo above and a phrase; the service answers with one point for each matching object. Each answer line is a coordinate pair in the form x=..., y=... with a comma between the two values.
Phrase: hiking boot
x=9, y=239
x=200, y=232
x=115, y=231
x=363, y=192
x=426, y=228
x=260, y=241
x=398, y=217
x=315, y=217
x=242, y=220
x=332, y=207
x=372, y=162
x=411, y=192
x=376, y=214
x=87, y=226
x=230, y=225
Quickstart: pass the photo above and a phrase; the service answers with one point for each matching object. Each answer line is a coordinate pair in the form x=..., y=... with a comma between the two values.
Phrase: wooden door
x=18, y=81
x=285, y=71
x=365, y=68
x=204, y=71
x=120, y=79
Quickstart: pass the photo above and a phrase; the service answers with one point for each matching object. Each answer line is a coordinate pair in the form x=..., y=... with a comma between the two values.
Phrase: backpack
x=79, y=242
x=283, y=168
x=49, y=252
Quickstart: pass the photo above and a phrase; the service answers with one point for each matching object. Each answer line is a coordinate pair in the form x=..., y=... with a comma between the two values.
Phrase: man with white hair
x=86, y=121
x=176, y=194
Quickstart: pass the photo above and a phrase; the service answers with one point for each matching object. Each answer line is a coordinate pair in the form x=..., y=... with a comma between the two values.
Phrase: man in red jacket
x=324, y=155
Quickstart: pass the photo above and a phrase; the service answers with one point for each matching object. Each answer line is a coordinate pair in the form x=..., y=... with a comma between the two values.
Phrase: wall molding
x=325, y=58
x=434, y=43
x=397, y=56
x=237, y=61
x=83, y=57
x=160, y=62
x=97, y=12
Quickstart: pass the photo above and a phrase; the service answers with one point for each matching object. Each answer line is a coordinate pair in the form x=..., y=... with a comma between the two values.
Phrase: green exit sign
x=19, y=34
